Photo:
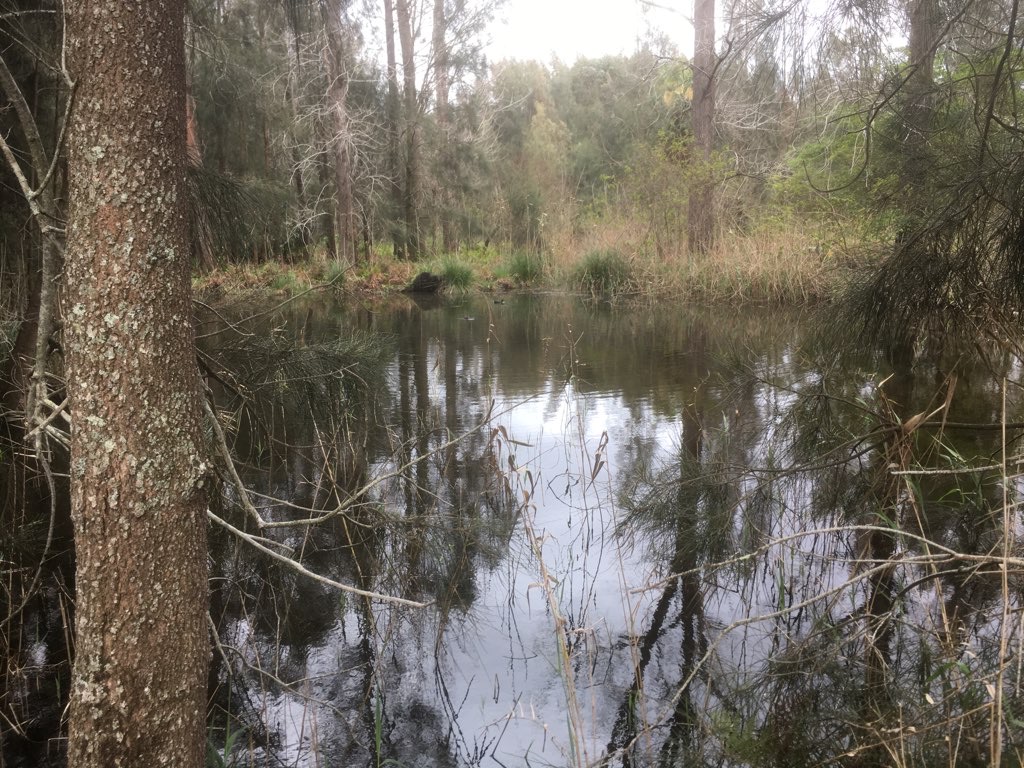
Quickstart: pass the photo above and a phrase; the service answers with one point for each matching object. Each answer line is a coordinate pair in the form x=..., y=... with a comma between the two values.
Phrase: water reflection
x=636, y=551
x=624, y=567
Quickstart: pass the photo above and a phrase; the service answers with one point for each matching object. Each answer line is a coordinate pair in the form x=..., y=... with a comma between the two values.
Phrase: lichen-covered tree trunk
x=138, y=504
x=701, y=215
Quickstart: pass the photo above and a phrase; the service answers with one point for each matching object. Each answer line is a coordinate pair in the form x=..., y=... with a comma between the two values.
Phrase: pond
x=645, y=535
x=636, y=535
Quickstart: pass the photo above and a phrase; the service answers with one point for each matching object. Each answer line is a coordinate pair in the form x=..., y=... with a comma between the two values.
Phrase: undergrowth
x=603, y=272
x=778, y=263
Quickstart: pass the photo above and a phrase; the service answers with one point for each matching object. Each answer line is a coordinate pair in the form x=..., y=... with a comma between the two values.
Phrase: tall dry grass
x=780, y=263
x=777, y=262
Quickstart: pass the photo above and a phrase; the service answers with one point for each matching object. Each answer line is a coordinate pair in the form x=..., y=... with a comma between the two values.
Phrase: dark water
x=622, y=559
x=653, y=535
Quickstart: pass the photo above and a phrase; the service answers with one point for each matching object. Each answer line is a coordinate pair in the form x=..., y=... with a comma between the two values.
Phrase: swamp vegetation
x=746, y=492
x=641, y=536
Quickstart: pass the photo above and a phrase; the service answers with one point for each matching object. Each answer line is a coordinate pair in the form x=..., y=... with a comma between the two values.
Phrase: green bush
x=282, y=279
x=335, y=272
x=602, y=272
x=457, y=276
x=525, y=267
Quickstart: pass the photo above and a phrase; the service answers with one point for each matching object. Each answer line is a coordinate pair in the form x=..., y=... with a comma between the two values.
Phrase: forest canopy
x=863, y=154
x=857, y=131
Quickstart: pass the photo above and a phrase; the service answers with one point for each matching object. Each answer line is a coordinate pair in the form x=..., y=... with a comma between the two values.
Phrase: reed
x=457, y=275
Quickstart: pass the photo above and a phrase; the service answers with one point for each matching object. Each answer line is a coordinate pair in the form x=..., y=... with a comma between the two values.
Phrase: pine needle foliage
x=957, y=265
x=234, y=220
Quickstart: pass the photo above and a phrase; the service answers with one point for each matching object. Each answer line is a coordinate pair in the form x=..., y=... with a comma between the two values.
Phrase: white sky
x=569, y=29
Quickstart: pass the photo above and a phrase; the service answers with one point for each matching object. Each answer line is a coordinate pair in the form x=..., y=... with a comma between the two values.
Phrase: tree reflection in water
x=716, y=564
x=780, y=597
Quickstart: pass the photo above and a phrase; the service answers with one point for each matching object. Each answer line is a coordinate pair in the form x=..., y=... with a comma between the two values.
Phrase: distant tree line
x=140, y=139
x=303, y=138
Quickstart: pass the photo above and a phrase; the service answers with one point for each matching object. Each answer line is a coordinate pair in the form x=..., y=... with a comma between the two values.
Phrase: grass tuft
x=603, y=271
x=525, y=267
x=457, y=275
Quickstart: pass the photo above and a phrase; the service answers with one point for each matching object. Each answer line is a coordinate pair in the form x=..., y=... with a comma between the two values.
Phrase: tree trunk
x=41, y=314
x=441, y=109
x=138, y=693
x=292, y=92
x=326, y=168
x=925, y=28
x=410, y=192
x=340, y=143
x=395, y=164
x=701, y=221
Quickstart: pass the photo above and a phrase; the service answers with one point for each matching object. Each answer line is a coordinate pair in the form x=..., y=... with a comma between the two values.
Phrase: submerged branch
x=369, y=486
x=229, y=464
x=301, y=569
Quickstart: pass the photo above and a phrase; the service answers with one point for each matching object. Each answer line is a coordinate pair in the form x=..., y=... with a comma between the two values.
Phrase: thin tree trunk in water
x=394, y=117
x=879, y=547
x=701, y=210
x=410, y=193
x=138, y=693
x=682, y=725
x=337, y=96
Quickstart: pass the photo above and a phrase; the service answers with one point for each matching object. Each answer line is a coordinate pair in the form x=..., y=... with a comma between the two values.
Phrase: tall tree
x=341, y=141
x=394, y=162
x=138, y=505
x=441, y=85
x=919, y=92
x=410, y=191
x=701, y=221
x=292, y=95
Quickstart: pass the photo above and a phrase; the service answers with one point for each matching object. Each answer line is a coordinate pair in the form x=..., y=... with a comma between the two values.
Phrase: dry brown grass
x=380, y=275
x=781, y=266
x=790, y=263
x=784, y=264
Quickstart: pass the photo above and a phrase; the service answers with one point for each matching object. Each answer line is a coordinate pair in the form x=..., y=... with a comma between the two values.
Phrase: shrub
x=335, y=272
x=525, y=267
x=285, y=282
x=602, y=271
x=457, y=276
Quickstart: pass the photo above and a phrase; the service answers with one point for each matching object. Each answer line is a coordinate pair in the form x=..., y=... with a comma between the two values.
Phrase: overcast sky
x=569, y=29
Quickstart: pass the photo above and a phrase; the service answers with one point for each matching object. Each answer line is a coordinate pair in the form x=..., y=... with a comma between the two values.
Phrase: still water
x=644, y=536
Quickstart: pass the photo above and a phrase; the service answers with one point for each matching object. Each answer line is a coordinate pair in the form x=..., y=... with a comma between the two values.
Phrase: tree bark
x=410, y=192
x=441, y=86
x=925, y=28
x=395, y=164
x=341, y=141
x=701, y=219
x=138, y=693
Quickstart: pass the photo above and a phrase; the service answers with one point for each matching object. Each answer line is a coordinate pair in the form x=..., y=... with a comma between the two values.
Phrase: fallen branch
x=300, y=568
